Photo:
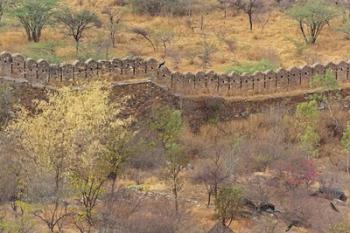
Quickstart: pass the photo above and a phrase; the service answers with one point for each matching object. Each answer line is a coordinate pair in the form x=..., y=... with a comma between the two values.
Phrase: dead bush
x=268, y=54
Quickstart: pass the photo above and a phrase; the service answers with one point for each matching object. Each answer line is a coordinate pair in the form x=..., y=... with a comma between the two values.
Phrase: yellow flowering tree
x=66, y=136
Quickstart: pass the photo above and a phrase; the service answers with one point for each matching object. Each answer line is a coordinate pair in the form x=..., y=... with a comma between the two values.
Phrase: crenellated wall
x=230, y=85
x=189, y=84
x=17, y=66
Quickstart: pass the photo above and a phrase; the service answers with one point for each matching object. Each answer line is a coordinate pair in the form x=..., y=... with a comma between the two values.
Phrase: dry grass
x=274, y=41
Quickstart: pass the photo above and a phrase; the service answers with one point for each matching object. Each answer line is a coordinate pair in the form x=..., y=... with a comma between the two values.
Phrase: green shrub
x=252, y=67
x=161, y=7
x=228, y=204
x=45, y=50
x=326, y=81
x=339, y=228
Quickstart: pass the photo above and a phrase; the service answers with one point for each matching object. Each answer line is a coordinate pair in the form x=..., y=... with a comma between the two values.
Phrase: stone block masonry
x=186, y=84
x=41, y=71
x=260, y=83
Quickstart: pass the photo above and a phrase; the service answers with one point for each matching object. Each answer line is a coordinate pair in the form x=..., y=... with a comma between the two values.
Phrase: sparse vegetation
x=34, y=15
x=229, y=204
x=89, y=157
x=312, y=16
x=252, y=67
x=76, y=23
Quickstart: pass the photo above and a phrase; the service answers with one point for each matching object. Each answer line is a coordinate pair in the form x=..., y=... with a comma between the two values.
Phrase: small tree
x=114, y=19
x=145, y=35
x=327, y=83
x=208, y=49
x=164, y=36
x=76, y=23
x=307, y=117
x=34, y=15
x=312, y=16
x=298, y=171
x=225, y=5
x=250, y=8
x=214, y=171
x=168, y=124
x=66, y=138
x=212, y=175
x=228, y=204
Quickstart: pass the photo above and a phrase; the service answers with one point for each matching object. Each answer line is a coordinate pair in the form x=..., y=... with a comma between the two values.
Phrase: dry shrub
x=146, y=215
x=119, y=3
x=311, y=212
x=8, y=170
x=259, y=152
x=123, y=39
x=266, y=224
x=268, y=54
x=244, y=126
x=224, y=36
x=329, y=132
x=332, y=124
x=312, y=58
x=190, y=54
x=175, y=57
x=257, y=123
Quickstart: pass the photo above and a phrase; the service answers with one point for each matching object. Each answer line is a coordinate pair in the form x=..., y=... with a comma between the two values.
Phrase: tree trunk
x=76, y=48
x=165, y=49
x=175, y=195
x=209, y=198
x=29, y=35
x=250, y=16
x=113, y=40
x=202, y=22
x=303, y=31
x=176, y=199
x=36, y=36
x=150, y=41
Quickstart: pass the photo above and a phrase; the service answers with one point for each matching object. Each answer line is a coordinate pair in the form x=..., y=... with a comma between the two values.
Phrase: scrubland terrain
x=275, y=39
x=73, y=161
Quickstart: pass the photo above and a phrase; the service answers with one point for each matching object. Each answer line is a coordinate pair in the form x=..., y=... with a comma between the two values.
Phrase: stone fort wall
x=41, y=71
x=261, y=83
x=201, y=83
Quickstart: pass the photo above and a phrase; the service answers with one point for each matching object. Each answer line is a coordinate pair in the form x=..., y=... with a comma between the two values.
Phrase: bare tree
x=213, y=171
x=167, y=123
x=251, y=8
x=164, y=36
x=142, y=32
x=207, y=52
x=114, y=19
x=212, y=176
